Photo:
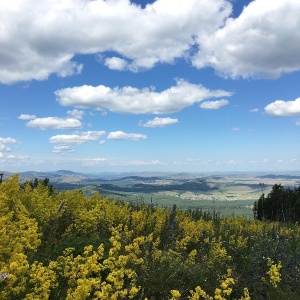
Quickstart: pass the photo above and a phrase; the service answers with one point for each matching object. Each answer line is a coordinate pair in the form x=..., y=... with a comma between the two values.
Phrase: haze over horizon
x=159, y=86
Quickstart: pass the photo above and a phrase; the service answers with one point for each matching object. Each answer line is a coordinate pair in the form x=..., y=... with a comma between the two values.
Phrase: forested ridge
x=64, y=245
x=196, y=185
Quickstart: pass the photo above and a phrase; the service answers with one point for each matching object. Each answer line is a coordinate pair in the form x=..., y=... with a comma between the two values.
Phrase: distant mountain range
x=217, y=186
x=273, y=176
x=71, y=176
x=56, y=176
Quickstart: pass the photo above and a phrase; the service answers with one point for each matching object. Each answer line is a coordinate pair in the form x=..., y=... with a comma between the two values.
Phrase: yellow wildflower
x=175, y=294
x=274, y=273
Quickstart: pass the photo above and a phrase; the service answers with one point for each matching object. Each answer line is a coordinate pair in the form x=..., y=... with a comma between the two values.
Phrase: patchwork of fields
x=229, y=194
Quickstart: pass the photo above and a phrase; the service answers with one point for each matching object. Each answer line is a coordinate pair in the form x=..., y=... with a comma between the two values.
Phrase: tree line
x=281, y=204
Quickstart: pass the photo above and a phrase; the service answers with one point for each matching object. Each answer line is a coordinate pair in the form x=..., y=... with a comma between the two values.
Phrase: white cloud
x=233, y=162
x=282, y=108
x=137, y=163
x=252, y=44
x=18, y=157
x=298, y=123
x=236, y=129
x=264, y=161
x=62, y=149
x=26, y=117
x=55, y=31
x=76, y=138
x=120, y=135
x=92, y=161
x=4, y=148
x=76, y=114
x=54, y=123
x=7, y=140
x=116, y=63
x=214, y=104
x=254, y=110
x=159, y=122
x=3, y=142
x=137, y=101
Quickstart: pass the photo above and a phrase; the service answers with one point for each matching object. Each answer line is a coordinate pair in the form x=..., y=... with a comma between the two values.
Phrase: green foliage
x=281, y=204
x=64, y=245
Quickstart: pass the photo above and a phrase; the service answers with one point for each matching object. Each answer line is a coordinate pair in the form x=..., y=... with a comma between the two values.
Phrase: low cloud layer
x=137, y=101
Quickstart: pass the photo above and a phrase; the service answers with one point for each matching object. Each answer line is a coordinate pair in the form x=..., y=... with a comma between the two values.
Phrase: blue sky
x=166, y=85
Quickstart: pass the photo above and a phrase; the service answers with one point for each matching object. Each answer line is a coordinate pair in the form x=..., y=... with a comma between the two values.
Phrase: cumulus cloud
x=159, y=122
x=116, y=63
x=7, y=140
x=76, y=138
x=55, y=31
x=3, y=146
x=280, y=108
x=214, y=104
x=252, y=44
x=26, y=117
x=120, y=135
x=76, y=113
x=62, y=149
x=137, y=101
x=137, y=162
x=54, y=123
x=92, y=161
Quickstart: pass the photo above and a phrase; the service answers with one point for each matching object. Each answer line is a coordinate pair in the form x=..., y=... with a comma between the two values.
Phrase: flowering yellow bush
x=68, y=246
x=274, y=272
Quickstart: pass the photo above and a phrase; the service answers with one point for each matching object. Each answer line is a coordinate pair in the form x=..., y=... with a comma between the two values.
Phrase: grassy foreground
x=68, y=246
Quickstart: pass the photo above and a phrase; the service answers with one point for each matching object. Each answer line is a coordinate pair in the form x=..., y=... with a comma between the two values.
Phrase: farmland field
x=227, y=194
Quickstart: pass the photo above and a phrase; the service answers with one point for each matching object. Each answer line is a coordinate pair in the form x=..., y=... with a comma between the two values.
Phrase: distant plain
x=227, y=194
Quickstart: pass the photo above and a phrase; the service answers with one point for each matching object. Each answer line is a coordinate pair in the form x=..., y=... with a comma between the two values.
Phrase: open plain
x=224, y=193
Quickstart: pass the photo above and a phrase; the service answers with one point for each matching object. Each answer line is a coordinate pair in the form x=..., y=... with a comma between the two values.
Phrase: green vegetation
x=281, y=204
x=195, y=185
x=66, y=245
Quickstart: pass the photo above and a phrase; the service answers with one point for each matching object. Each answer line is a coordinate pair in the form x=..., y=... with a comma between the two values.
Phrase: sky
x=166, y=85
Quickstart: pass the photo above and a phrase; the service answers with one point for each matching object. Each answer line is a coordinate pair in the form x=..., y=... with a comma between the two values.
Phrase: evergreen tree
x=281, y=204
